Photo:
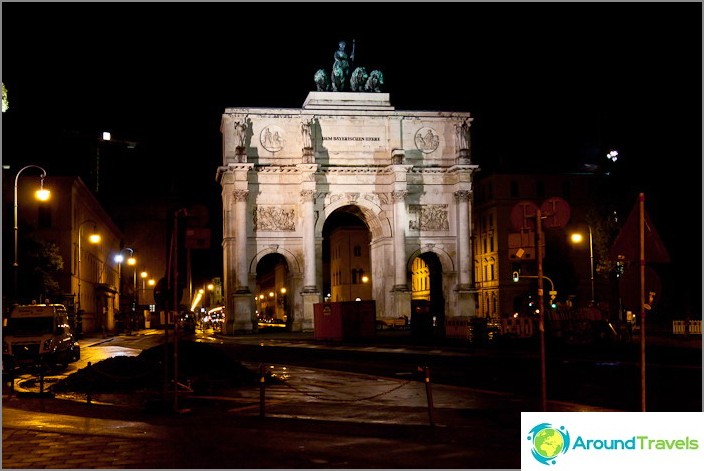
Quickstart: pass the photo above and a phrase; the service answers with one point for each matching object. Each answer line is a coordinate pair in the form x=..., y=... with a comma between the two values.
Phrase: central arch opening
x=346, y=256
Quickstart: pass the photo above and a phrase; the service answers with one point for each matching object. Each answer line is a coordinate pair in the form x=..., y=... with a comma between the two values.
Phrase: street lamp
x=41, y=194
x=577, y=237
x=119, y=258
x=93, y=238
x=132, y=261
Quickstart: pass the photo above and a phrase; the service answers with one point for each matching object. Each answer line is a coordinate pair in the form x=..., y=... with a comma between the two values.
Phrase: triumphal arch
x=406, y=176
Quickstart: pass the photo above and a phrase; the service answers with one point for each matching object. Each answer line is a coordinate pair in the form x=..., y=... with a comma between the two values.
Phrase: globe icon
x=548, y=443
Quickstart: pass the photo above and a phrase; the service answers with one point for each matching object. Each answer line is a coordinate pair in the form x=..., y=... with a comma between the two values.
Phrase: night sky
x=551, y=86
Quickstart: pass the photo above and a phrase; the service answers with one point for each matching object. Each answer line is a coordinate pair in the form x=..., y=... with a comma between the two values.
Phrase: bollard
x=429, y=394
x=41, y=378
x=89, y=392
x=261, y=390
x=11, y=380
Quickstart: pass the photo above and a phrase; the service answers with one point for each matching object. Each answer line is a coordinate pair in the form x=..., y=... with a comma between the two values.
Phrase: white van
x=38, y=334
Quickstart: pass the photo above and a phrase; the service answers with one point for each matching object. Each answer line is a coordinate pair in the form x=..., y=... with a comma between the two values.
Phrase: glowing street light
x=132, y=261
x=93, y=238
x=41, y=194
x=119, y=258
x=577, y=238
x=143, y=275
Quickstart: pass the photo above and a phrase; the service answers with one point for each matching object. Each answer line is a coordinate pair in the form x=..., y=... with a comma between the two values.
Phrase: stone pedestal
x=242, y=321
x=466, y=303
x=402, y=303
x=309, y=300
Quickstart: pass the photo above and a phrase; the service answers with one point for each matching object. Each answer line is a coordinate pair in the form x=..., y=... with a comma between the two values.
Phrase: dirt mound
x=204, y=367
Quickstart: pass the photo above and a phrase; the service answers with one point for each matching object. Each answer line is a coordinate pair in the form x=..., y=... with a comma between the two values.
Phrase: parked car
x=187, y=322
x=38, y=334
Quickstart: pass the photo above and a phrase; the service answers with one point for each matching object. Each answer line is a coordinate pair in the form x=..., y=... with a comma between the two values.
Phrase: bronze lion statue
x=358, y=79
x=322, y=81
x=374, y=82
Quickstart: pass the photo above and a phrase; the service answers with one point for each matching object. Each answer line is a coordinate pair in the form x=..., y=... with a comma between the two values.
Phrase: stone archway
x=406, y=175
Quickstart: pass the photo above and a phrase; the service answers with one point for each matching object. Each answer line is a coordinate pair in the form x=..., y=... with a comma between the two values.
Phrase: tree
x=42, y=264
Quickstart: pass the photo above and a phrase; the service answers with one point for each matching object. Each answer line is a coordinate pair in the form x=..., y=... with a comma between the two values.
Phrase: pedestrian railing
x=680, y=327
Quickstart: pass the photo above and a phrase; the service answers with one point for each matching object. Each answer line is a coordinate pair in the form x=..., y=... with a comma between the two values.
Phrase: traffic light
x=516, y=276
x=553, y=303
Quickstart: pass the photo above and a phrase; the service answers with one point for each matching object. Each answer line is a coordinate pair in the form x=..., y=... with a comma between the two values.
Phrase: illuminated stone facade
x=406, y=174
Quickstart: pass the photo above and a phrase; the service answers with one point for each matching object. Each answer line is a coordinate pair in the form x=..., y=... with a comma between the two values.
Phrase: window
x=357, y=251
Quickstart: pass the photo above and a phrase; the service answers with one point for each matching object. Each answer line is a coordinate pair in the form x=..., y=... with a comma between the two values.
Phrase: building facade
x=498, y=240
x=288, y=174
x=89, y=280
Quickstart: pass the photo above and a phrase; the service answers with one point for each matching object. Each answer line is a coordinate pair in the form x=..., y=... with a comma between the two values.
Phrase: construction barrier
x=518, y=327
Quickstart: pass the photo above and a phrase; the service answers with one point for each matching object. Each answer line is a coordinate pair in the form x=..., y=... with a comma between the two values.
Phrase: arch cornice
x=294, y=264
x=370, y=212
x=448, y=265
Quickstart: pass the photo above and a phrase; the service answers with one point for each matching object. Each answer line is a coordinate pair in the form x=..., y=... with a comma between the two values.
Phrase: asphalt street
x=314, y=419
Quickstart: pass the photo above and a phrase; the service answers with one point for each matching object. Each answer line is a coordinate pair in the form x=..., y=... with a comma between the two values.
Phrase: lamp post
x=42, y=195
x=577, y=237
x=93, y=238
x=119, y=258
x=143, y=275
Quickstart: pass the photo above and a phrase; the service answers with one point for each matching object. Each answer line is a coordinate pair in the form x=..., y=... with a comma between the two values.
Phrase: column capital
x=240, y=195
x=463, y=195
x=399, y=195
x=307, y=196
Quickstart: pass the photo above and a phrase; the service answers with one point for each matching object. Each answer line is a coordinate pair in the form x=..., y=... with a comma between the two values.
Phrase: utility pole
x=541, y=312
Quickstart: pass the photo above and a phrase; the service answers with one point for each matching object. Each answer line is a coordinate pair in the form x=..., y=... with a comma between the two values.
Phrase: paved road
x=315, y=419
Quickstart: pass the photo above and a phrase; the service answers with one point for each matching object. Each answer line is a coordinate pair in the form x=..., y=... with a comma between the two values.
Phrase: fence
x=687, y=327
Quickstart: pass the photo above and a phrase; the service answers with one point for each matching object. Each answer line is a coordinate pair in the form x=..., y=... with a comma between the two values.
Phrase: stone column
x=400, y=217
x=310, y=292
x=466, y=303
x=241, y=240
x=307, y=207
x=400, y=293
x=242, y=297
x=462, y=198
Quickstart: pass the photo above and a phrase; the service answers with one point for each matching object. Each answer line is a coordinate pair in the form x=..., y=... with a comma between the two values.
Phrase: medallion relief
x=272, y=138
x=427, y=140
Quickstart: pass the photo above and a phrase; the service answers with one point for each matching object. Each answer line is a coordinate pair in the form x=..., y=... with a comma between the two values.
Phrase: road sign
x=523, y=215
x=197, y=238
x=556, y=212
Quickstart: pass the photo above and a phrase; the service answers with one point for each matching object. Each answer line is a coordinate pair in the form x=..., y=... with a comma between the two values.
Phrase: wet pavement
x=312, y=419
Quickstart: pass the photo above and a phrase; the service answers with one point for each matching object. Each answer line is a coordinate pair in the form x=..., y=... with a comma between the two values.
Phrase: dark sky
x=551, y=86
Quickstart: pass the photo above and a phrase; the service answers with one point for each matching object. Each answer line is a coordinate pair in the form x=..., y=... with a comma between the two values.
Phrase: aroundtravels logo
x=613, y=439
x=549, y=442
